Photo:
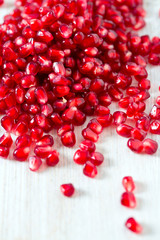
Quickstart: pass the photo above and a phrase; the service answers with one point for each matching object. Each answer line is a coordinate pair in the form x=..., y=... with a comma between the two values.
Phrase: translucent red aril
x=52, y=159
x=42, y=151
x=36, y=133
x=90, y=170
x=128, y=184
x=6, y=140
x=34, y=163
x=96, y=158
x=81, y=156
x=20, y=128
x=133, y=225
x=23, y=141
x=138, y=134
x=45, y=140
x=41, y=95
x=143, y=123
x=7, y=123
x=95, y=126
x=87, y=145
x=128, y=200
x=155, y=112
x=28, y=81
x=4, y=151
x=68, y=139
x=150, y=146
x=119, y=117
x=135, y=145
x=88, y=134
x=21, y=153
x=105, y=120
x=124, y=130
x=65, y=31
x=67, y=189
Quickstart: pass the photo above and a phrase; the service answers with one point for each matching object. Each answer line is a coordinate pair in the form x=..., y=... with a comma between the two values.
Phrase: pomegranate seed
x=4, y=151
x=96, y=158
x=52, y=159
x=20, y=128
x=81, y=156
x=90, y=170
x=128, y=200
x=68, y=139
x=7, y=123
x=67, y=189
x=87, y=145
x=95, y=126
x=36, y=134
x=65, y=128
x=133, y=225
x=42, y=151
x=105, y=120
x=124, y=130
x=41, y=95
x=34, y=163
x=150, y=146
x=128, y=184
x=6, y=140
x=23, y=141
x=138, y=134
x=135, y=145
x=119, y=117
x=88, y=134
x=21, y=153
x=45, y=140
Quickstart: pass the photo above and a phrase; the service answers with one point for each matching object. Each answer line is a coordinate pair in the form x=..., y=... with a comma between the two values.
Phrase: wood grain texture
x=32, y=207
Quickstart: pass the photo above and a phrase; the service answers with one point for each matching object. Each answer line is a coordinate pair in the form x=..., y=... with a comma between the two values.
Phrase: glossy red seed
x=4, y=151
x=87, y=145
x=20, y=128
x=34, y=163
x=128, y=200
x=41, y=95
x=138, y=134
x=88, y=134
x=23, y=141
x=21, y=153
x=52, y=159
x=95, y=126
x=119, y=117
x=68, y=139
x=128, y=184
x=81, y=156
x=150, y=146
x=7, y=123
x=133, y=225
x=6, y=140
x=105, y=120
x=90, y=170
x=135, y=145
x=96, y=158
x=36, y=133
x=67, y=189
x=65, y=128
x=124, y=130
x=45, y=140
x=42, y=151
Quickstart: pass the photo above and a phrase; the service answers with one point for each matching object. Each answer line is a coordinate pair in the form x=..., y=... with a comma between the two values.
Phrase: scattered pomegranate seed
x=87, y=145
x=34, y=163
x=135, y=145
x=52, y=159
x=6, y=140
x=90, y=170
x=67, y=189
x=128, y=184
x=96, y=158
x=128, y=200
x=150, y=146
x=133, y=225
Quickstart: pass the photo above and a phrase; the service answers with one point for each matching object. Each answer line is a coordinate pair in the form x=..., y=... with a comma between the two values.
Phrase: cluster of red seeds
x=64, y=60
x=128, y=200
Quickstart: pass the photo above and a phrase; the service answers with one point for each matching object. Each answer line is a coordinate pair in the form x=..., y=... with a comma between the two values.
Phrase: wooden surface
x=32, y=207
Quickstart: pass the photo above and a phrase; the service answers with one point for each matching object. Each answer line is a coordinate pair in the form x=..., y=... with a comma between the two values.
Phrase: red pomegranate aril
x=135, y=145
x=28, y=81
x=155, y=112
x=150, y=146
x=87, y=145
x=128, y=184
x=138, y=134
x=81, y=156
x=42, y=151
x=21, y=153
x=52, y=159
x=41, y=95
x=90, y=170
x=119, y=117
x=6, y=140
x=46, y=140
x=65, y=128
x=20, y=128
x=96, y=158
x=68, y=139
x=88, y=134
x=4, y=151
x=155, y=127
x=23, y=141
x=105, y=120
x=115, y=93
x=7, y=123
x=34, y=163
x=143, y=123
x=95, y=126
x=57, y=120
x=133, y=225
x=19, y=94
x=36, y=133
x=67, y=189
x=128, y=200
x=124, y=130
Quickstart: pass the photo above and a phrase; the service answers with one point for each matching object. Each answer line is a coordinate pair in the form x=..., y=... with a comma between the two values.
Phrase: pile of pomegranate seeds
x=64, y=60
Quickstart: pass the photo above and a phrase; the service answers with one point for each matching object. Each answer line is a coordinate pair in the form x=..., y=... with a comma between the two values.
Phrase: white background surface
x=32, y=207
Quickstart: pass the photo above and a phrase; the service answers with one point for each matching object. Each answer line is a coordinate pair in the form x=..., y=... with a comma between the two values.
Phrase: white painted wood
x=32, y=207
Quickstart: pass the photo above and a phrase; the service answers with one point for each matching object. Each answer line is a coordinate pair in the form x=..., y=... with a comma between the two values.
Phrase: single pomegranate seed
x=81, y=156
x=138, y=134
x=34, y=163
x=52, y=159
x=155, y=112
x=36, y=134
x=150, y=146
x=128, y=200
x=4, y=151
x=87, y=145
x=45, y=140
x=96, y=158
x=67, y=189
x=41, y=95
x=20, y=128
x=124, y=130
x=128, y=184
x=95, y=126
x=135, y=145
x=105, y=120
x=88, y=134
x=6, y=140
x=119, y=117
x=68, y=139
x=42, y=151
x=90, y=170
x=21, y=153
x=133, y=225
x=65, y=128
x=23, y=141
x=7, y=123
